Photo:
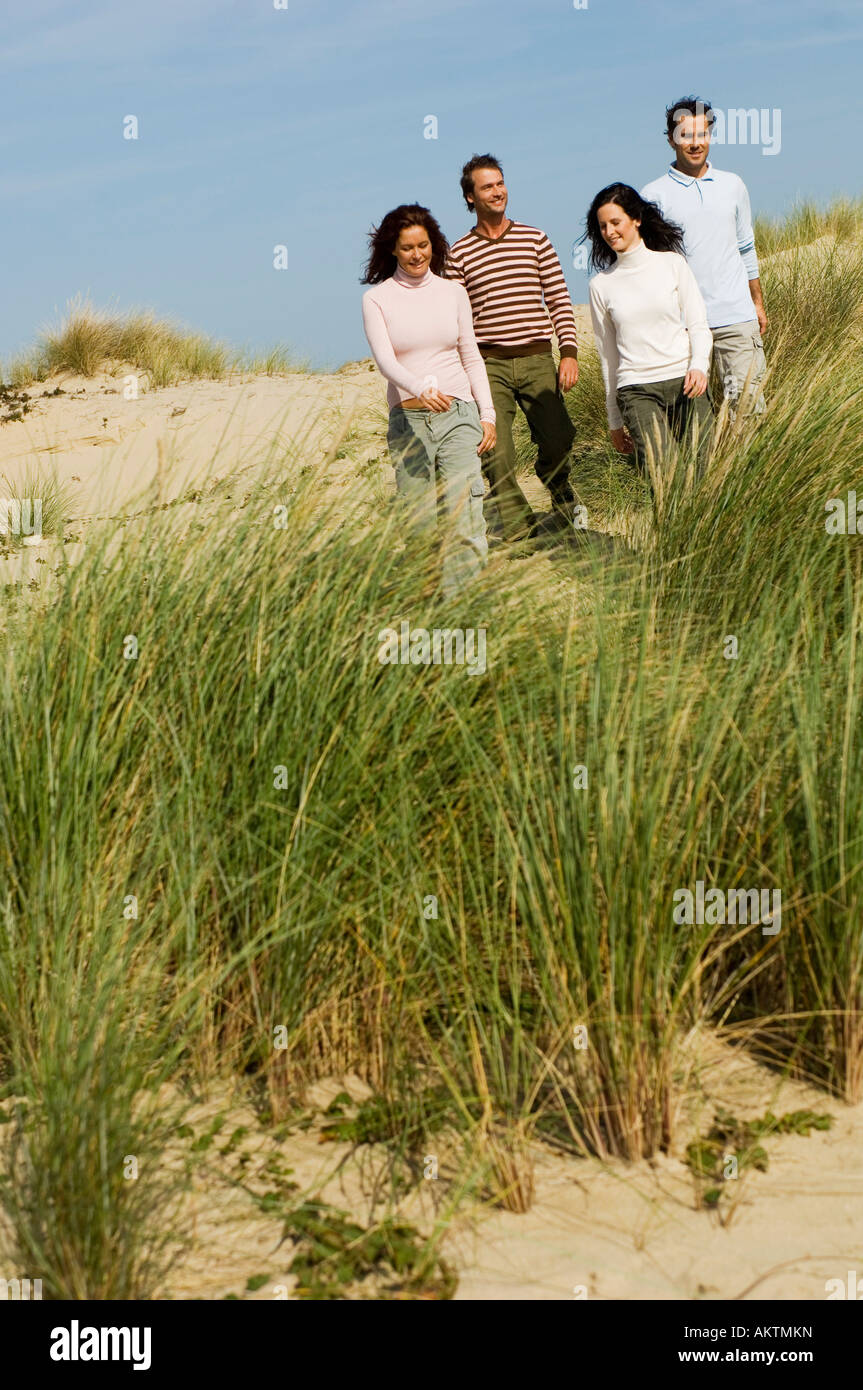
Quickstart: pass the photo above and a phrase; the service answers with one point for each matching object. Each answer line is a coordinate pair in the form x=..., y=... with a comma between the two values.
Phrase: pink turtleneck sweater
x=420, y=331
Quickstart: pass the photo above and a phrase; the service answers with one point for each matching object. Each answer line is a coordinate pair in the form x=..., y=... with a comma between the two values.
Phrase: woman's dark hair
x=656, y=233
x=382, y=242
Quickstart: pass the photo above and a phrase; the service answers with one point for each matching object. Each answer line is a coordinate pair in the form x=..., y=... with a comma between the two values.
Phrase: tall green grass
x=89, y=340
x=456, y=885
x=807, y=222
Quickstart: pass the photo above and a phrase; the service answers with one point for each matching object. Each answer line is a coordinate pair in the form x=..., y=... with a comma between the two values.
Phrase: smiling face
x=619, y=231
x=413, y=250
x=690, y=141
x=489, y=193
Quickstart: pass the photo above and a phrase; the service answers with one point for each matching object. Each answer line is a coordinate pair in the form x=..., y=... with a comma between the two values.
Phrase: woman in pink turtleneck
x=420, y=331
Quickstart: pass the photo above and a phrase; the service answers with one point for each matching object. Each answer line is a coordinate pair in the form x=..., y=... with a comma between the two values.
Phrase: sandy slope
x=595, y=1230
x=117, y=459
x=113, y=455
x=633, y=1231
x=107, y=449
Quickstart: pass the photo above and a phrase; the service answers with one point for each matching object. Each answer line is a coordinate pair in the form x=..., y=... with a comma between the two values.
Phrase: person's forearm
x=755, y=291
x=606, y=346
x=695, y=318
x=700, y=347
x=563, y=321
x=557, y=300
x=471, y=360
x=477, y=375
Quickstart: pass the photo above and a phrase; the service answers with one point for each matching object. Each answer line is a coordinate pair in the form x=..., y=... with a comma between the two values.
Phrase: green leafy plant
x=336, y=1255
x=731, y=1138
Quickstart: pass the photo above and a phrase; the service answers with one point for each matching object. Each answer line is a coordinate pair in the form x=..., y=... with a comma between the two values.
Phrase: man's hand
x=622, y=441
x=489, y=438
x=567, y=373
x=758, y=301
x=435, y=400
x=695, y=384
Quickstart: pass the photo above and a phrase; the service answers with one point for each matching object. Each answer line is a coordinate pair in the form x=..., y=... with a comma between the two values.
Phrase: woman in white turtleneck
x=651, y=331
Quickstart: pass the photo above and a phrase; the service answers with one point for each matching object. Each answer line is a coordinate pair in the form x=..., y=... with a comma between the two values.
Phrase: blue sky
x=303, y=126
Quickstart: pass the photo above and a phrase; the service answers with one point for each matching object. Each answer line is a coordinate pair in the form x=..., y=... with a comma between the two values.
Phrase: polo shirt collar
x=687, y=179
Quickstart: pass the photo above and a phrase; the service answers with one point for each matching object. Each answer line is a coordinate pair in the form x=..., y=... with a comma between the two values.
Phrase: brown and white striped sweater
x=507, y=280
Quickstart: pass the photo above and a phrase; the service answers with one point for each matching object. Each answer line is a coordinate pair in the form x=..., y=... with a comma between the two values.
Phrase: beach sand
x=595, y=1230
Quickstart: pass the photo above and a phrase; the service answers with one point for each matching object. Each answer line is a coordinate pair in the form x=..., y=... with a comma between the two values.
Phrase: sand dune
x=595, y=1230
x=111, y=452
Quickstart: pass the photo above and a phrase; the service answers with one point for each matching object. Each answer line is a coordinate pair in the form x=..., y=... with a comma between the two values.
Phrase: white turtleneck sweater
x=420, y=331
x=649, y=322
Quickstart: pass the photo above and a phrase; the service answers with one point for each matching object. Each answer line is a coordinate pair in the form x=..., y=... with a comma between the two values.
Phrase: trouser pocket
x=476, y=531
x=409, y=452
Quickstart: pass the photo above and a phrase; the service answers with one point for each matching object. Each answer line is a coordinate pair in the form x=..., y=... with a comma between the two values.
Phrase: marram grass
x=89, y=340
x=463, y=887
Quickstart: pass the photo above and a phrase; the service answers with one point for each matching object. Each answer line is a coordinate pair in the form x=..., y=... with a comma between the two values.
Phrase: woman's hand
x=489, y=438
x=622, y=441
x=435, y=400
x=695, y=384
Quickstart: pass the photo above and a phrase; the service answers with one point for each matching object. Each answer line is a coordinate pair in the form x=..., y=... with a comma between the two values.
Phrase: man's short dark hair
x=691, y=106
x=476, y=161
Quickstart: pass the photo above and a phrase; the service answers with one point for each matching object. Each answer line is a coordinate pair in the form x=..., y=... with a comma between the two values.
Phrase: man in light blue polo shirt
x=713, y=209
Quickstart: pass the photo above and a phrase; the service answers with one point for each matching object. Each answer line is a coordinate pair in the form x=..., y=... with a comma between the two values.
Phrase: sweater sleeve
x=745, y=233
x=378, y=336
x=695, y=318
x=471, y=358
x=556, y=296
x=606, y=345
x=453, y=269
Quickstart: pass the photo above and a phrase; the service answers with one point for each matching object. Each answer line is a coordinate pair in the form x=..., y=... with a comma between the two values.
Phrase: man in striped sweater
x=517, y=293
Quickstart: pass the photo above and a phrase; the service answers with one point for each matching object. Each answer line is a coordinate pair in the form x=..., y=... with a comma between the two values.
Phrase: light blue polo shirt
x=719, y=242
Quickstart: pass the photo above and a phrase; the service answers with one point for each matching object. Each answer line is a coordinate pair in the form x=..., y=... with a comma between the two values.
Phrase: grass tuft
x=89, y=340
